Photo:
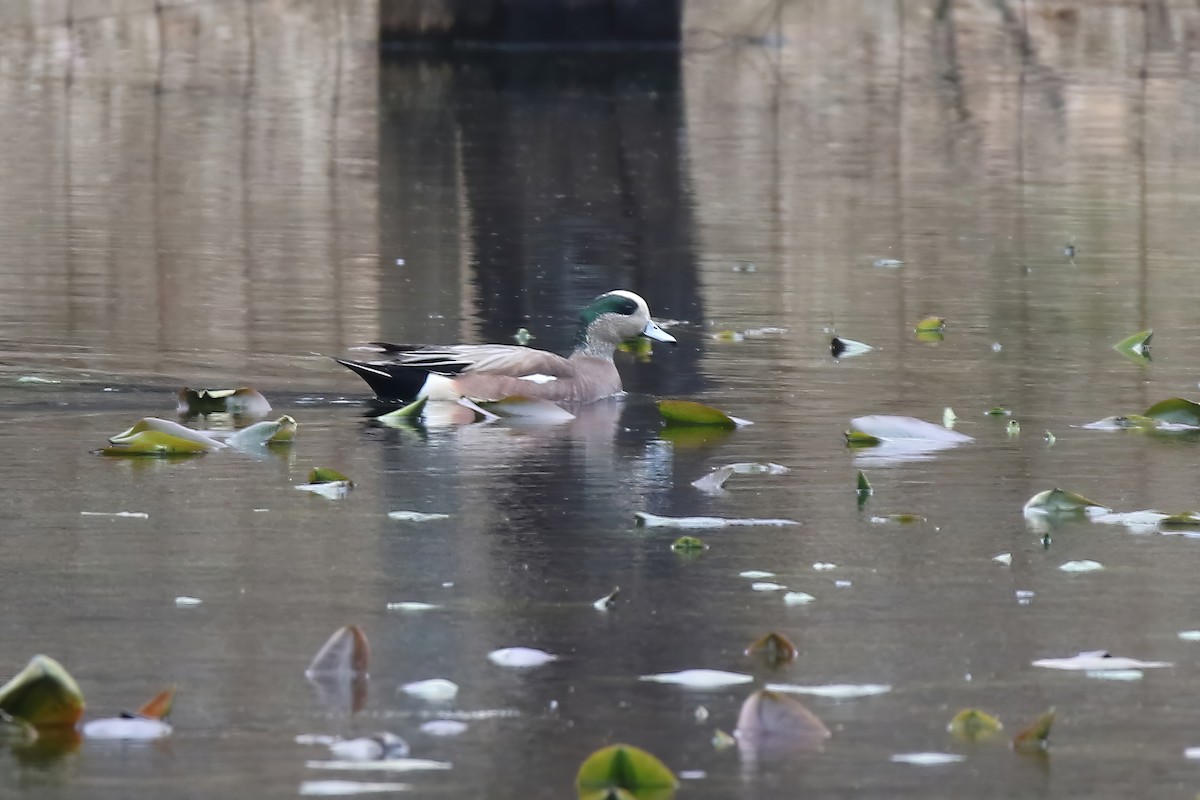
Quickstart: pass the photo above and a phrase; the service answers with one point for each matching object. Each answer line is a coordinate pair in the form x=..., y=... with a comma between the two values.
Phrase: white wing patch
x=537, y=377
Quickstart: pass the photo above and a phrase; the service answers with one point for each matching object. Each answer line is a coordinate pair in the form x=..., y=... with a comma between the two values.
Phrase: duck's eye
x=626, y=307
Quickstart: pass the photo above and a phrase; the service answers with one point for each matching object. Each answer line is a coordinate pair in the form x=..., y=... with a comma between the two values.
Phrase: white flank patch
x=835, y=691
x=537, y=377
x=519, y=657
x=1190, y=636
x=699, y=678
x=927, y=759
x=797, y=598
x=432, y=689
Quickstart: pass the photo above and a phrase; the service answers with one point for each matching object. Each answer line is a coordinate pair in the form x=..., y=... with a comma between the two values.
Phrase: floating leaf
x=608, y=601
x=326, y=475
x=624, y=771
x=528, y=409
x=1175, y=410
x=688, y=412
x=699, y=678
x=770, y=715
x=1137, y=345
x=655, y=521
x=1003, y=558
x=863, y=485
x=346, y=652
x=847, y=348
x=774, y=650
x=1084, y=565
x=523, y=336
x=243, y=401
x=1037, y=735
x=767, y=586
x=280, y=431
x=152, y=436
x=1058, y=501
x=927, y=759
x=1183, y=519
x=128, y=729
x=972, y=725
x=757, y=468
x=434, y=689
x=899, y=519
x=688, y=544
x=798, y=598
x=416, y=516
x=1014, y=427
x=520, y=657
x=931, y=324
x=930, y=336
x=948, y=417
x=43, y=694
x=713, y=482
x=998, y=411
x=1096, y=660
x=888, y=428
x=346, y=788
x=834, y=691
x=860, y=439
x=888, y=262
x=159, y=706
x=35, y=380
x=756, y=574
x=723, y=741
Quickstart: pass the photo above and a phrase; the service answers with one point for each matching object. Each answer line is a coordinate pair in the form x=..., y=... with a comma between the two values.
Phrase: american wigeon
x=487, y=372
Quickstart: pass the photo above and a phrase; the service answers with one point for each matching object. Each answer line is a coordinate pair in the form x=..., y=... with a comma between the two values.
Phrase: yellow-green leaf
x=688, y=544
x=1184, y=519
x=43, y=694
x=409, y=411
x=973, y=725
x=326, y=475
x=688, y=412
x=156, y=443
x=1176, y=410
x=931, y=324
x=169, y=429
x=864, y=485
x=624, y=771
x=1136, y=346
x=859, y=439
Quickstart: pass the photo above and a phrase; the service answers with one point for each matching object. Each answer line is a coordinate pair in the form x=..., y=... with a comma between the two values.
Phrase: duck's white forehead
x=634, y=297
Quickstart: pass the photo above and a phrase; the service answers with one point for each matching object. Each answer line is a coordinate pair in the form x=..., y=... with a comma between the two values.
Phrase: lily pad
x=927, y=759
x=886, y=427
x=931, y=324
x=433, y=689
x=1136, y=346
x=1095, y=660
x=847, y=348
x=1059, y=501
x=774, y=650
x=998, y=411
x=280, y=431
x=43, y=694
x=520, y=657
x=608, y=601
x=128, y=729
x=326, y=475
x=346, y=652
x=713, y=482
x=771, y=715
x=1176, y=410
x=528, y=409
x=624, y=771
x=860, y=439
x=688, y=412
x=973, y=725
x=688, y=544
x=152, y=436
x=863, y=486
x=1037, y=735
x=416, y=516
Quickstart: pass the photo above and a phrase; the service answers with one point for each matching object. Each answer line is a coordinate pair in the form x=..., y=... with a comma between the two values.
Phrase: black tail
x=389, y=381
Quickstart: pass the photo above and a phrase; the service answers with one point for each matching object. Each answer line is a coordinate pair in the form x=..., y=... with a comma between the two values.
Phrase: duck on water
x=490, y=372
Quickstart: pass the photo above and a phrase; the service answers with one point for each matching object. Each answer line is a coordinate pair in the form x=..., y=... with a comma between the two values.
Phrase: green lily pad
x=863, y=485
x=43, y=694
x=1037, y=735
x=409, y=411
x=998, y=411
x=326, y=475
x=624, y=771
x=1058, y=501
x=1189, y=520
x=1176, y=410
x=157, y=443
x=280, y=431
x=931, y=336
x=688, y=544
x=973, y=725
x=1136, y=346
x=688, y=412
x=859, y=439
x=931, y=324
x=168, y=428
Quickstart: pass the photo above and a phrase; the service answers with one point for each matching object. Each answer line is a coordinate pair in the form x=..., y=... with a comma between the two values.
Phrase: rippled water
x=216, y=211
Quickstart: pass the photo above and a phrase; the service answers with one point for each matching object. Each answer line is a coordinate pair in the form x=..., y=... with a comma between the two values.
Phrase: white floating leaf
x=656, y=521
x=1058, y=501
x=387, y=765
x=345, y=788
x=1084, y=565
x=380, y=747
x=519, y=657
x=823, y=566
x=443, y=727
x=432, y=689
x=888, y=263
x=1095, y=660
x=1190, y=636
x=927, y=759
x=415, y=516
x=410, y=605
x=842, y=584
x=1145, y=521
x=34, y=379
x=135, y=729
x=756, y=574
x=186, y=600
x=767, y=586
x=1192, y=752
x=842, y=347
x=798, y=598
x=836, y=691
x=604, y=603
x=757, y=468
x=126, y=514
x=333, y=490
x=700, y=678
x=713, y=482
x=691, y=775
x=889, y=427
x=1003, y=558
